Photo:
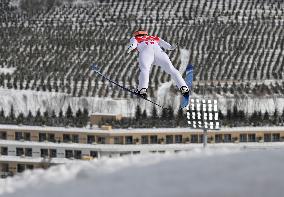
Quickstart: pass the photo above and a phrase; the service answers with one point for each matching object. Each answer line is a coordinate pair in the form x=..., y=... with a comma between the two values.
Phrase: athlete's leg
x=162, y=60
x=146, y=59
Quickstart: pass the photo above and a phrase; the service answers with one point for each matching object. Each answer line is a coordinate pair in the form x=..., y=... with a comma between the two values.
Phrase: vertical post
x=204, y=137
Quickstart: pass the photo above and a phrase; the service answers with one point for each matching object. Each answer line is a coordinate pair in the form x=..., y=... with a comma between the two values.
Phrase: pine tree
x=275, y=120
x=38, y=117
x=2, y=115
x=221, y=115
x=85, y=117
x=164, y=115
x=180, y=115
x=154, y=113
x=20, y=118
x=79, y=118
x=144, y=114
x=60, y=115
x=69, y=113
x=138, y=113
x=170, y=113
x=12, y=114
x=266, y=117
x=53, y=114
x=79, y=114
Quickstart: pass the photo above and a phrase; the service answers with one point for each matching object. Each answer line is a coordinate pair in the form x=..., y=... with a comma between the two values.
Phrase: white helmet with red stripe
x=140, y=33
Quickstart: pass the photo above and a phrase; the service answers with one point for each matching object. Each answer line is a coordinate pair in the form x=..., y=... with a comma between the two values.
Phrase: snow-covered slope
x=220, y=172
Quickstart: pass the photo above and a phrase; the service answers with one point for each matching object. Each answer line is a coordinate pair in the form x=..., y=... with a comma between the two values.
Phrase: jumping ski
x=95, y=68
x=188, y=79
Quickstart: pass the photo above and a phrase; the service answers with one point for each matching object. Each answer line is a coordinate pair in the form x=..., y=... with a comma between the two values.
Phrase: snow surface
x=219, y=173
x=6, y=70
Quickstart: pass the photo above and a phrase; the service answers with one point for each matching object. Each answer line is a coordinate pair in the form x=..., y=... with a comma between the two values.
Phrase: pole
x=204, y=137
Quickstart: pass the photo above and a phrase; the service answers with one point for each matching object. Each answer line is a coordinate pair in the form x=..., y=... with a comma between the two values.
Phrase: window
x=27, y=136
x=20, y=168
x=3, y=135
x=53, y=153
x=75, y=138
x=94, y=154
x=68, y=153
x=28, y=152
x=128, y=140
x=42, y=137
x=194, y=138
x=218, y=138
x=243, y=137
x=169, y=139
x=77, y=154
x=227, y=138
x=29, y=166
x=44, y=152
x=51, y=137
x=275, y=137
x=101, y=140
x=117, y=140
x=267, y=137
x=66, y=138
x=153, y=139
x=90, y=139
x=136, y=152
x=19, y=151
x=4, y=151
x=144, y=139
x=200, y=138
x=18, y=135
x=4, y=167
x=178, y=138
x=251, y=137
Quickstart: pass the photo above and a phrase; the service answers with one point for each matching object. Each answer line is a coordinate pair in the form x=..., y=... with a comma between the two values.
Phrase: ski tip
x=94, y=67
x=189, y=67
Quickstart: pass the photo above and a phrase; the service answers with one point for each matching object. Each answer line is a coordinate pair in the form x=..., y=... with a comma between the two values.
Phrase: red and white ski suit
x=150, y=52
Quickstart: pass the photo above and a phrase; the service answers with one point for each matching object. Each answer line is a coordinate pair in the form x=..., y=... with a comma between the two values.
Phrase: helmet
x=140, y=33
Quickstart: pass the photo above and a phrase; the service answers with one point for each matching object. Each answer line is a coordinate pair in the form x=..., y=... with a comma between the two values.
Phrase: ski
x=95, y=68
x=188, y=79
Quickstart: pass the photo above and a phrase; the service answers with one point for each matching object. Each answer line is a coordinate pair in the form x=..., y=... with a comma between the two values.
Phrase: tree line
x=167, y=118
x=79, y=118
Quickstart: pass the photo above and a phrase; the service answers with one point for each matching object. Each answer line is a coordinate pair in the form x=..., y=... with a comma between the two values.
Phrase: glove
x=173, y=47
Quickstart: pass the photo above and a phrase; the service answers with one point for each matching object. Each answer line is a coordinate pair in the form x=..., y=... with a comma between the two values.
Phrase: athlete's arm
x=133, y=45
x=166, y=45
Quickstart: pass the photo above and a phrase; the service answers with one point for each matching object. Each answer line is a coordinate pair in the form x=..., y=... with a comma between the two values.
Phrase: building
x=98, y=118
x=28, y=147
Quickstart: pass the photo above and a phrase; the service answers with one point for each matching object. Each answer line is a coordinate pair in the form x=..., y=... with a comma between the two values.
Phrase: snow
x=6, y=70
x=220, y=173
x=25, y=100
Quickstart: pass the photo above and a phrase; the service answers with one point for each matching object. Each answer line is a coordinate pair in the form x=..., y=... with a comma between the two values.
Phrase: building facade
x=29, y=147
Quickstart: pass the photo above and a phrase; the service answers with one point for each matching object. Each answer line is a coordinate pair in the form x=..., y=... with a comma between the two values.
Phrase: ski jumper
x=150, y=52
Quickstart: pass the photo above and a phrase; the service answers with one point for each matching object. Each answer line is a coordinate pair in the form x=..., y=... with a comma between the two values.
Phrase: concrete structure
x=98, y=118
x=28, y=147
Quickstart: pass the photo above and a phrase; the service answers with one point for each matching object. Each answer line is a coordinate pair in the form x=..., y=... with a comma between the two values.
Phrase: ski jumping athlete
x=150, y=52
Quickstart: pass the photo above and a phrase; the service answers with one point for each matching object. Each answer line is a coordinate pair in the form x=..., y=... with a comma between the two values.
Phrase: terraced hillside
x=233, y=41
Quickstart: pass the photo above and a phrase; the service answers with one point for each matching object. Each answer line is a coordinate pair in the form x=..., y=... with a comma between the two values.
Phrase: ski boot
x=142, y=92
x=184, y=91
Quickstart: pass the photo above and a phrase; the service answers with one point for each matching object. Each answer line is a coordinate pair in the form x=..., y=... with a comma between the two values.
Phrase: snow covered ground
x=219, y=172
x=25, y=100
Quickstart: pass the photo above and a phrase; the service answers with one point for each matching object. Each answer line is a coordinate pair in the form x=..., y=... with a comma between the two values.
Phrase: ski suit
x=150, y=52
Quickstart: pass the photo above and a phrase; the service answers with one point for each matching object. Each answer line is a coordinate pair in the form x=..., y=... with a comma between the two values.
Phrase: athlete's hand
x=173, y=47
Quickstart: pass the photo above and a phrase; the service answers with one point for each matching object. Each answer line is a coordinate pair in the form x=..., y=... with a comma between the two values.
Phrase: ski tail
x=95, y=68
x=188, y=80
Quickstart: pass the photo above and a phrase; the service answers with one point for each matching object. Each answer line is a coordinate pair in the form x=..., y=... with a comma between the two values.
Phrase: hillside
x=236, y=46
